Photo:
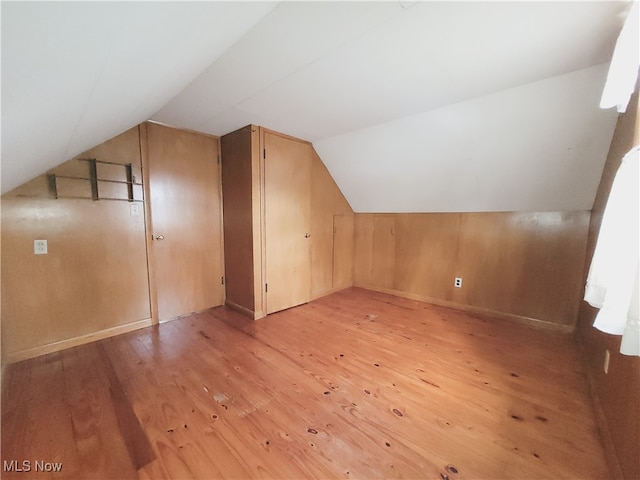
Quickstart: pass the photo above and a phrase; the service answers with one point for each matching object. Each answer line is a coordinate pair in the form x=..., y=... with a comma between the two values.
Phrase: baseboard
x=247, y=312
x=332, y=291
x=534, y=322
x=20, y=355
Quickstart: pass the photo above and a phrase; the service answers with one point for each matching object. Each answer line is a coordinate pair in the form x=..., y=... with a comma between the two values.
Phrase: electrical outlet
x=40, y=247
x=457, y=282
x=135, y=209
x=607, y=357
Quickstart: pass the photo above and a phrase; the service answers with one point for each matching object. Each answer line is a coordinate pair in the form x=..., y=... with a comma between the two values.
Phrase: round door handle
x=307, y=235
x=159, y=237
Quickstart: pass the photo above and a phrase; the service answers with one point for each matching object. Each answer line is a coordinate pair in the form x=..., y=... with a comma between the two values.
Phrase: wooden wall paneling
x=554, y=258
x=617, y=392
x=523, y=265
x=237, y=188
x=384, y=251
x=287, y=178
x=326, y=201
x=257, y=201
x=245, y=185
x=426, y=248
x=491, y=261
x=363, y=249
x=185, y=202
x=151, y=261
x=527, y=264
x=343, y=238
x=94, y=277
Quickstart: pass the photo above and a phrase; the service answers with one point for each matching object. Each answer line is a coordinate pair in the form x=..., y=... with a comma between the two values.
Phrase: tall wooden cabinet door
x=287, y=193
x=185, y=207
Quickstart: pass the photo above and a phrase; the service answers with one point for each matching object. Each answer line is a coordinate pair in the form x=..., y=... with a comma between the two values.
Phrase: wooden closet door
x=184, y=191
x=287, y=193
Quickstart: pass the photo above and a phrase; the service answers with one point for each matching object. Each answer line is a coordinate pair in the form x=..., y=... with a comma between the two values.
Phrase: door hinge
x=264, y=153
x=266, y=288
x=222, y=280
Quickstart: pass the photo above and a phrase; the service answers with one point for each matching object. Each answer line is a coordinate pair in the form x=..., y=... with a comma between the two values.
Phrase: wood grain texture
x=186, y=209
x=355, y=385
x=246, y=213
x=618, y=392
x=524, y=264
x=343, y=228
x=237, y=189
x=94, y=277
x=327, y=201
x=287, y=179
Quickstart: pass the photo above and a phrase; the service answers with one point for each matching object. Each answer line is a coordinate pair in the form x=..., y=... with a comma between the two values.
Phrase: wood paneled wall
x=617, y=392
x=93, y=281
x=327, y=201
x=331, y=223
x=517, y=265
x=241, y=205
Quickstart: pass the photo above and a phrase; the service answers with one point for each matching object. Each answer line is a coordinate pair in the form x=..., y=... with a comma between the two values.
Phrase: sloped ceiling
x=413, y=106
x=75, y=74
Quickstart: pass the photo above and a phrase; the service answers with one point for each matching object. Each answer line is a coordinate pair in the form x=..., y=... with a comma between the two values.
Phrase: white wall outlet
x=457, y=282
x=135, y=209
x=40, y=247
x=607, y=357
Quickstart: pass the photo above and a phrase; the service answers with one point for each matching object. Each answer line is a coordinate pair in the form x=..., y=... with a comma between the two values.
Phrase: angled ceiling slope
x=75, y=74
x=427, y=106
x=440, y=82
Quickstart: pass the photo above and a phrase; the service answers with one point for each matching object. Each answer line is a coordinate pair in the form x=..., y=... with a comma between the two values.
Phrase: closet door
x=287, y=194
x=185, y=206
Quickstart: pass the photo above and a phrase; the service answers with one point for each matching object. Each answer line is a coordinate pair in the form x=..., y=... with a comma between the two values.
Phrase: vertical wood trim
x=238, y=207
x=259, y=244
x=221, y=219
x=148, y=224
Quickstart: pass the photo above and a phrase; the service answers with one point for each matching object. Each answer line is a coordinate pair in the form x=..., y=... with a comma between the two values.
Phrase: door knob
x=159, y=237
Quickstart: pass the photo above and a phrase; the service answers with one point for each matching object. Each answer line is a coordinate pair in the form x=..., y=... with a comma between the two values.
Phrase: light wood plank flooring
x=354, y=385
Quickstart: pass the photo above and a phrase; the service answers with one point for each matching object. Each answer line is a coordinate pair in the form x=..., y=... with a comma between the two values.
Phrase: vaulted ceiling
x=413, y=106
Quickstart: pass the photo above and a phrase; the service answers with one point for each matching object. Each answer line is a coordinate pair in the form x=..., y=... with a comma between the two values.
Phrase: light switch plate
x=40, y=247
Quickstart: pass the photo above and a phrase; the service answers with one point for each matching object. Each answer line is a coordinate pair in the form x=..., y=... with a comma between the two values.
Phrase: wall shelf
x=97, y=187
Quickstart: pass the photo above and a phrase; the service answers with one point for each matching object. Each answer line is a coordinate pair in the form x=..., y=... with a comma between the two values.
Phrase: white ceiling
x=401, y=99
x=75, y=74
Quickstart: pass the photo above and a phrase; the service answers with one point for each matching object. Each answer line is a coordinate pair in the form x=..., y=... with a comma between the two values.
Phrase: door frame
x=148, y=220
x=263, y=214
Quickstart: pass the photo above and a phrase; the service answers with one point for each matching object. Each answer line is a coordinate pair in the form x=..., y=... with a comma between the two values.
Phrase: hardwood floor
x=354, y=385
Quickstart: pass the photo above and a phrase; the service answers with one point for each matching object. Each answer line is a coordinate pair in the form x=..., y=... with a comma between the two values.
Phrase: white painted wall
x=537, y=147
